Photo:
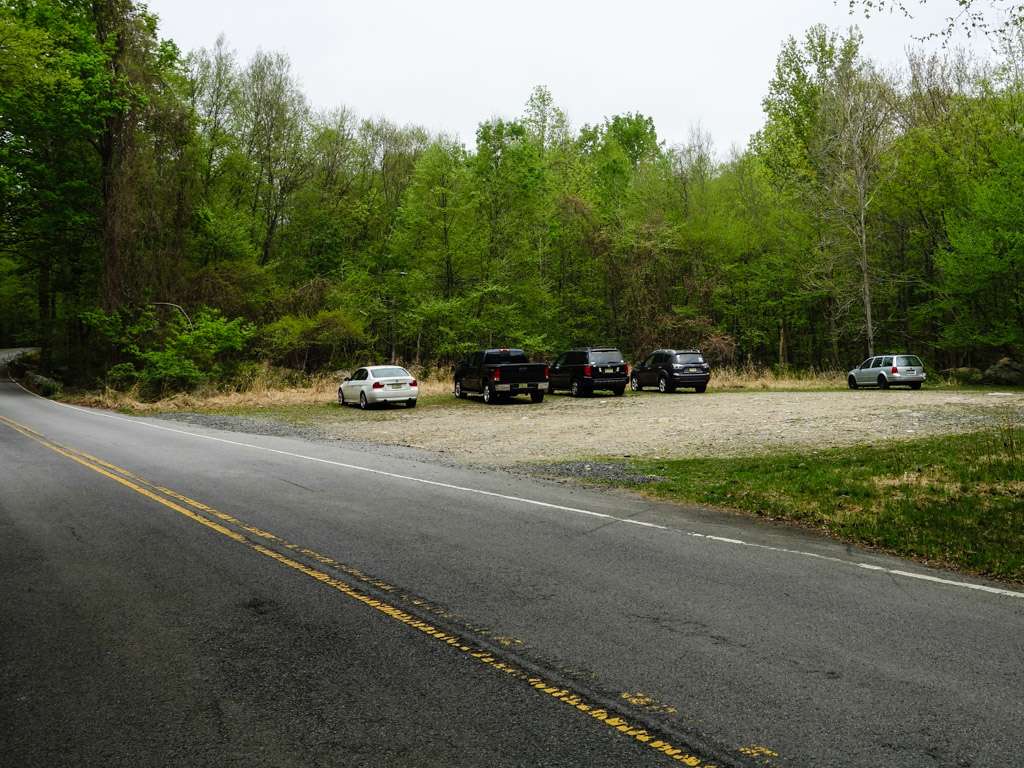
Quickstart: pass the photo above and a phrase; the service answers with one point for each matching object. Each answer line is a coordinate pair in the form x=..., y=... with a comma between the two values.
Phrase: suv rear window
x=606, y=357
x=509, y=356
x=385, y=373
x=688, y=358
x=913, y=360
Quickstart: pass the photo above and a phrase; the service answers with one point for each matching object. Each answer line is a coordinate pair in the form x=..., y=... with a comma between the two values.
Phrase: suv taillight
x=626, y=367
x=588, y=370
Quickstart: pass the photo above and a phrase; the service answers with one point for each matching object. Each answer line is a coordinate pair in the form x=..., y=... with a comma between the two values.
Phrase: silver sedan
x=377, y=385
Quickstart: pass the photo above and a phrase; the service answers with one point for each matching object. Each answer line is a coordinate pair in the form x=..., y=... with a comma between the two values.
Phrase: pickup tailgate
x=517, y=373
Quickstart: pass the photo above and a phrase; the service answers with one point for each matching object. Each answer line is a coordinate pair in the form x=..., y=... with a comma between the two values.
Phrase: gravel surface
x=650, y=425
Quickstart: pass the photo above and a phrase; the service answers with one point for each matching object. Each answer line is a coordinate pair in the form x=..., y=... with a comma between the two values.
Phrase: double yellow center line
x=246, y=535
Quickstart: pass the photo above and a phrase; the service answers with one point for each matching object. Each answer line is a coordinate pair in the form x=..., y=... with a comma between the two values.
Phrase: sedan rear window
x=608, y=357
x=387, y=373
x=507, y=356
x=912, y=360
x=688, y=358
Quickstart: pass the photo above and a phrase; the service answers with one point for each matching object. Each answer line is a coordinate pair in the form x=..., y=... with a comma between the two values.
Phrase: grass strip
x=956, y=501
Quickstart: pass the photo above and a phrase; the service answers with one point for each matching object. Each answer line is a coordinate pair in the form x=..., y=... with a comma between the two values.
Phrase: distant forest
x=170, y=219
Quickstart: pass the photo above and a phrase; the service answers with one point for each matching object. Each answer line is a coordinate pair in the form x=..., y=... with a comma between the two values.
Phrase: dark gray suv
x=668, y=369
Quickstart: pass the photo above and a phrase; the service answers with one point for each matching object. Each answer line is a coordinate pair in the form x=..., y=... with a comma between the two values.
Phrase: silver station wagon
x=884, y=371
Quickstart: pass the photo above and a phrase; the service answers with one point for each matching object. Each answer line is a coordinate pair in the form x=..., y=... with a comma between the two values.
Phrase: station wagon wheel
x=362, y=401
x=634, y=383
x=851, y=382
x=883, y=383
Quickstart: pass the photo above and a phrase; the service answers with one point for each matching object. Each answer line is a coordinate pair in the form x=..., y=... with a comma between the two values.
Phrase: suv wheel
x=851, y=382
x=574, y=389
x=700, y=389
x=663, y=384
x=883, y=383
x=634, y=383
x=459, y=391
x=619, y=391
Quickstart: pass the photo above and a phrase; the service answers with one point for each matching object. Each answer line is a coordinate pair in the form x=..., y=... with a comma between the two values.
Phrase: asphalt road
x=179, y=596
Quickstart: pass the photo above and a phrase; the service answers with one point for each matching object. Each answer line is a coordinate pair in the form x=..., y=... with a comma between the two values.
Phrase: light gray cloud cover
x=449, y=64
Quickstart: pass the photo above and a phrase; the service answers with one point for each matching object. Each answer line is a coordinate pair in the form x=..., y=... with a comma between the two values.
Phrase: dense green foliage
x=873, y=210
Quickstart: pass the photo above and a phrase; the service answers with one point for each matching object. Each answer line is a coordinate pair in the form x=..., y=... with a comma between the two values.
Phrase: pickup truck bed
x=499, y=374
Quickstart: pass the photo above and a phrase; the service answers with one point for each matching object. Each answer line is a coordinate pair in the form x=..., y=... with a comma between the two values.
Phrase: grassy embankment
x=955, y=501
x=273, y=391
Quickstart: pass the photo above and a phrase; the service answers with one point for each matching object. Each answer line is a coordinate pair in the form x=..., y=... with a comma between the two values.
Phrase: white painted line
x=545, y=504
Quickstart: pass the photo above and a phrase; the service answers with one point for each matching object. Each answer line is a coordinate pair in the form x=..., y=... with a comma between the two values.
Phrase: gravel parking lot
x=680, y=424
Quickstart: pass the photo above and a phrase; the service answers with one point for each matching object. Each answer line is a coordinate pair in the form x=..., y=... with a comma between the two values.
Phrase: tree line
x=170, y=219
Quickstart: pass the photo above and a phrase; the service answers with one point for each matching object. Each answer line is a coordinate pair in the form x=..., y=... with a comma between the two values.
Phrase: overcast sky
x=448, y=64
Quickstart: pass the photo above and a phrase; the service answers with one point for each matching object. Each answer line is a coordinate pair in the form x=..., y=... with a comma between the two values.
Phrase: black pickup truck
x=498, y=374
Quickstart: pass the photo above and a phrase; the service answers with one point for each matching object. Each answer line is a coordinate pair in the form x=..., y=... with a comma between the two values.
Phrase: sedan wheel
x=851, y=382
x=634, y=384
x=362, y=401
x=341, y=397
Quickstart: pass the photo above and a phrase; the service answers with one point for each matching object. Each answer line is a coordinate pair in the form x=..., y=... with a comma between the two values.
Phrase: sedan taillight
x=412, y=383
x=378, y=385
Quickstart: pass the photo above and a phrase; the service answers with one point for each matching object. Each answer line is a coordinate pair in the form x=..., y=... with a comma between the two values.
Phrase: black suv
x=667, y=369
x=582, y=370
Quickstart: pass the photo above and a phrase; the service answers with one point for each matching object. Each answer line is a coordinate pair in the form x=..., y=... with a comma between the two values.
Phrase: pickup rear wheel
x=537, y=397
x=489, y=394
x=459, y=391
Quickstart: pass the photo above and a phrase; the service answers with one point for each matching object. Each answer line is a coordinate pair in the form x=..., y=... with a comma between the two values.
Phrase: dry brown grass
x=265, y=389
x=749, y=377
x=268, y=387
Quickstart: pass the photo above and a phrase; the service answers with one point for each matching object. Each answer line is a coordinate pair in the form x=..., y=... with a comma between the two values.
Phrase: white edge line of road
x=545, y=504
